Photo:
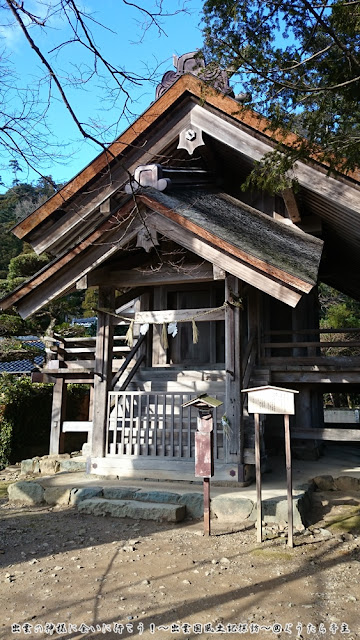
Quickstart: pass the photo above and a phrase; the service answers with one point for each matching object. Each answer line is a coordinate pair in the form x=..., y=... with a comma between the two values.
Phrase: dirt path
x=67, y=575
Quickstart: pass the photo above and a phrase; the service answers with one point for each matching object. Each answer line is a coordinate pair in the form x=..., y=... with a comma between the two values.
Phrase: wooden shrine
x=224, y=284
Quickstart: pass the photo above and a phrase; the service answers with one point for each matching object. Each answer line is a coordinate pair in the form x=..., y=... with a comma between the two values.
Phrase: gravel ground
x=68, y=575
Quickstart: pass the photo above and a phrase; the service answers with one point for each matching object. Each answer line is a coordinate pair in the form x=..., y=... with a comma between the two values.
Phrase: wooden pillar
x=57, y=416
x=233, y=402
x=159, y=355
x=146, y=305
x=103, y=371
x=91, y=402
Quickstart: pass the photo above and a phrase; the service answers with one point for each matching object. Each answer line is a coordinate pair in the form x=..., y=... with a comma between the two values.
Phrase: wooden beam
x=82, y=283
x=149, y=278
x=102, y=371
x=77, y=426
x=128, y=296
x=218, y=274
x=291, y=205
x=242, y=271
x=330, y=434
x=233, y=401
x=179, y=315
x=57, y=414
x=309, y=177
x=105, y=207
x=103, y=191
x=54, y=281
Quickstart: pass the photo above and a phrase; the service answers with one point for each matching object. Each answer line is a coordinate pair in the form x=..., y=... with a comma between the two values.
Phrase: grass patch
x=349, y=523
x=271, y=554
x=3, y=489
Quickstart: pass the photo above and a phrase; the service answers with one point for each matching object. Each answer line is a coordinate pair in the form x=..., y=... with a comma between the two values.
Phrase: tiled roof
x=21, y=366
x=25, y=366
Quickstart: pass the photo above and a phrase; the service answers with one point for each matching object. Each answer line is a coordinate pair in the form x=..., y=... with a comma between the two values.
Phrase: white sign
x=270, y=399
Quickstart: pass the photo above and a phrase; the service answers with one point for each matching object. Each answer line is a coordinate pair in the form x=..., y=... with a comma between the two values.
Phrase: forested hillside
x=18, y=262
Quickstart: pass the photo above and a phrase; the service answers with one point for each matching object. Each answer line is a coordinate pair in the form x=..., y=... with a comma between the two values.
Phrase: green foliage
x=25, y=416
x=90, y=303
x=25, y=265
x=12, y=349
x=15, y=204
x=337, y=310
x=300, y=61
x=67, y=330
x=5, y=441
x=11, y=324
x=342, y=316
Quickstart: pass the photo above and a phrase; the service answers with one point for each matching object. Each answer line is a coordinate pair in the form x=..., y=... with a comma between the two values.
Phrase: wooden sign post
x=204, y=454
x=272, y=400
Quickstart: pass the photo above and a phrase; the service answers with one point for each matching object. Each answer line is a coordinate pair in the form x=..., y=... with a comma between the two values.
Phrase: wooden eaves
x=59, y=276
x=185, y=84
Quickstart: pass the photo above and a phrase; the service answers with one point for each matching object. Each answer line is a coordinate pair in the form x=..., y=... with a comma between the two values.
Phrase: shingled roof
x=254, y=233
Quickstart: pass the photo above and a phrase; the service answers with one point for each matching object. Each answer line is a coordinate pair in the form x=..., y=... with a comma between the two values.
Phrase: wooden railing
x=156, y=424
x=128, y=360
x=79, y=352
x=310, y=343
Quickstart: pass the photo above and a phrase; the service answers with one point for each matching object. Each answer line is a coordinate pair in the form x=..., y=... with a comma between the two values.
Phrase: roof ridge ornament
x=194, y=63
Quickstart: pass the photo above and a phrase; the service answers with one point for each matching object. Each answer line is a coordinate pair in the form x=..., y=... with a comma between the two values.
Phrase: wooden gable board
x=61, y=275
x=185, y=85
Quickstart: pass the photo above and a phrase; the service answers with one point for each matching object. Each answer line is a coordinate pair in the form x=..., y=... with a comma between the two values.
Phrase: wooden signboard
x=272, y=400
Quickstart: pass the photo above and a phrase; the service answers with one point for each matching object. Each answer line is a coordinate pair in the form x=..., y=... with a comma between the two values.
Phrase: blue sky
x=124, y=43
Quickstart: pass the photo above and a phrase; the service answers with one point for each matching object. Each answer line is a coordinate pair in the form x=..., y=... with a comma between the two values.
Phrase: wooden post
x=57, y=415
x=258, y=479
x=103, y=371
x=233, y=407
x=159, y=355
x=207, y=530
x=91, y=402
x=289, y=480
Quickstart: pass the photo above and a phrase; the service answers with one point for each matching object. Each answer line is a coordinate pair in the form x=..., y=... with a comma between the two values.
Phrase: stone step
x=133, y=509
x=183, y=380
x=184, y=385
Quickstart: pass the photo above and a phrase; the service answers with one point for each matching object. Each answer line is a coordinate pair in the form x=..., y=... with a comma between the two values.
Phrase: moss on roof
x=248, y=229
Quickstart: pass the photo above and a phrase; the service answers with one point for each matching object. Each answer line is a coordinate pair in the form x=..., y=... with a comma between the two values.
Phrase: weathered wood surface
x=156, y=425
x=264, y=267
x=312, y=178
x=179, y=315
x=330, y=362
x=102, y=371
x=291, y=205
x=127, y=360
x=330, y=434
x=63, y=273
x=225, y=261
x=151, y=277
x=312, y=344
x=57, y=414
x=233, y=398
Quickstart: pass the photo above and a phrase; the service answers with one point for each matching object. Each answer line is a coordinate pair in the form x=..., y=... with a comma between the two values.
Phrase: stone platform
x=230, y=503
